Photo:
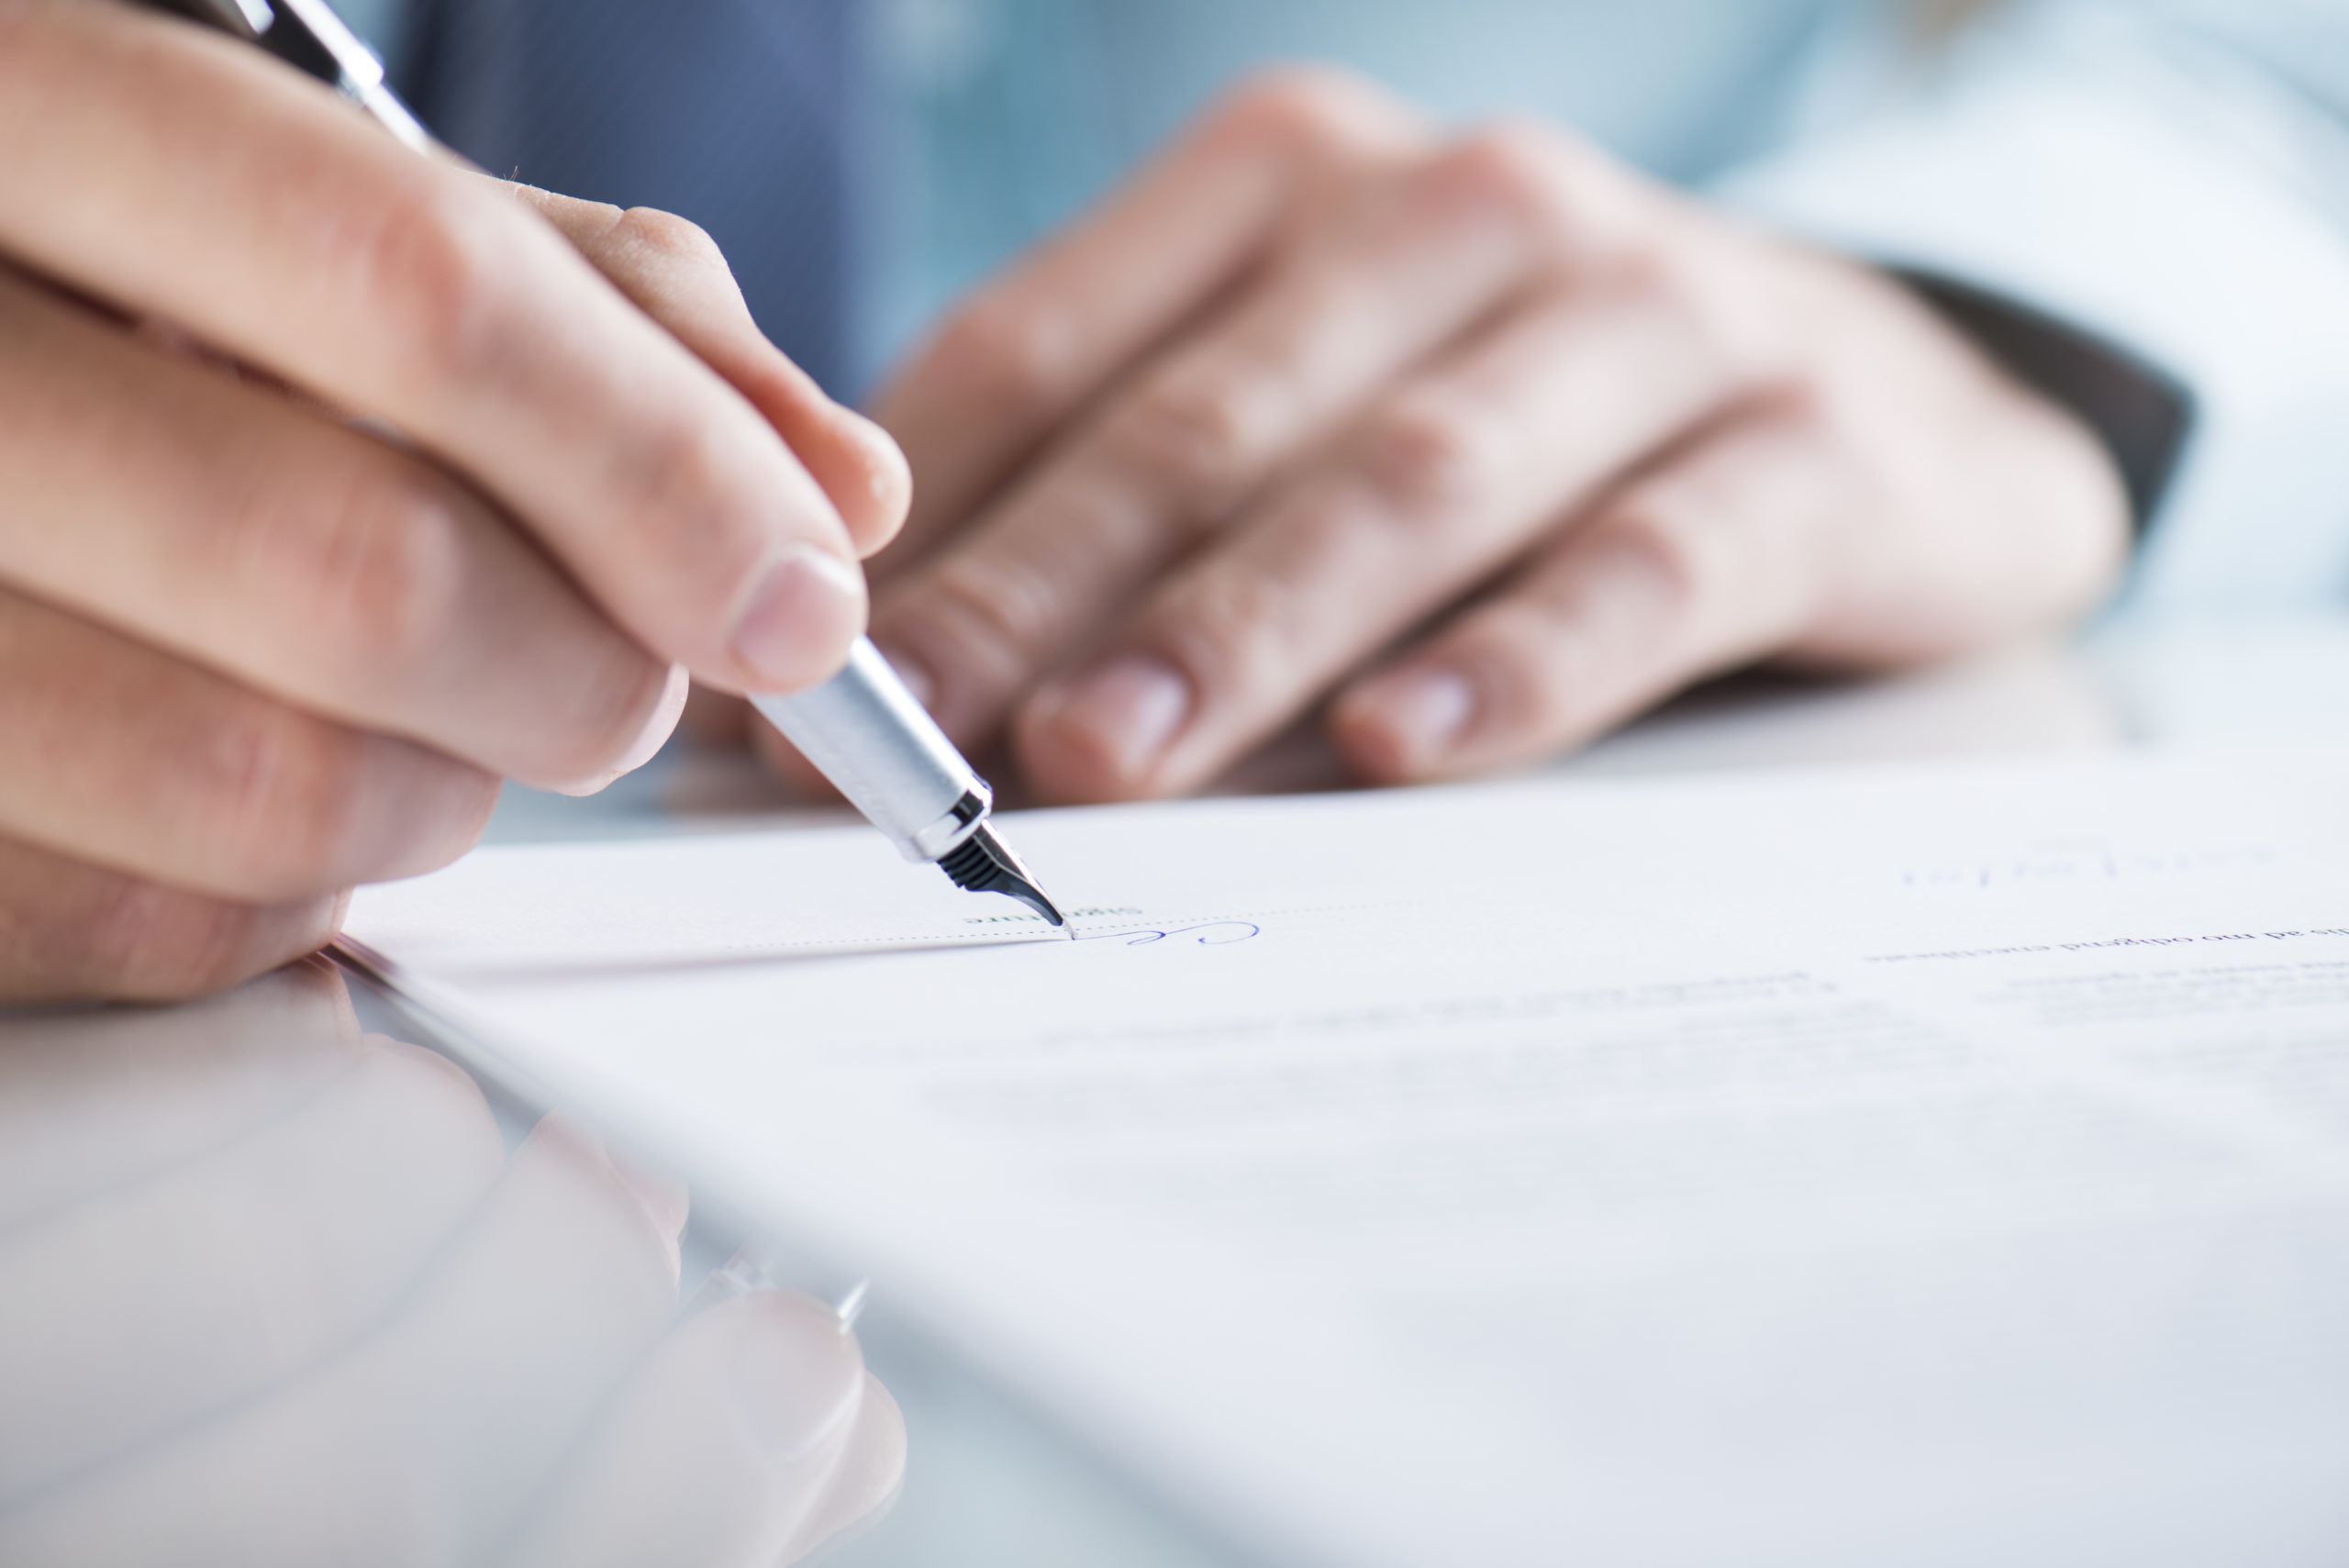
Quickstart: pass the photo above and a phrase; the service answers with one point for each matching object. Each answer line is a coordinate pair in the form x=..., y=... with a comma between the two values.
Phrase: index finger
x=173, y=173
x=677, y=275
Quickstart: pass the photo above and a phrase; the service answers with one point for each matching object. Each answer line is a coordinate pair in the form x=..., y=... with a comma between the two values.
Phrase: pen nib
x=983, y=863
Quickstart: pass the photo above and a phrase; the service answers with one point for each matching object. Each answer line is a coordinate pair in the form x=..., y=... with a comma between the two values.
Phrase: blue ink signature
x=1233, y=931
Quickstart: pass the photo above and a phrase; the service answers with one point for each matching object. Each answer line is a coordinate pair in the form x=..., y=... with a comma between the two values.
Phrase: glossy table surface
x=281, y=1281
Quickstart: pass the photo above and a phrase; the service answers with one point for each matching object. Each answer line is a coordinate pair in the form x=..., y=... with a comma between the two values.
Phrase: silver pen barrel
x=865, y=732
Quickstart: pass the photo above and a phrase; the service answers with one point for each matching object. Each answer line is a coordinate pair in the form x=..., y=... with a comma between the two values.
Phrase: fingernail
x=913, y=673
x=648, y=740
x=800, y=619
x=799, y=1379
x=1131, y=708
x=1425, y=711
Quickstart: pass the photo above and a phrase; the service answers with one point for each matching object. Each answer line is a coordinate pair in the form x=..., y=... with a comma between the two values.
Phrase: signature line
x=1205, y=935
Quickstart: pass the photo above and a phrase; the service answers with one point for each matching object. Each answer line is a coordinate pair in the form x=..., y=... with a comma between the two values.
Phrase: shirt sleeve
x=2170, y=178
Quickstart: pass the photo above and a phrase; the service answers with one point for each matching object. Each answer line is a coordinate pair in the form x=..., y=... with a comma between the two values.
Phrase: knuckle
x=1514, y=165
x=1566, y=194
x=1653, y=274
x=1307, y=108
x=1664, y=536
x=440, y=274
x=1725, y=584
x=386, y=586
x=1672, y=275
x=1192, y=431
x=667, y=236
x=1550, y=696
x=614, y=696
x=1430, y=453
x=1014, y=353
x=678, y=485
x=1233, y=631
x=283, y=790
x=72, y=931
x=999, y=614
x=155, y=944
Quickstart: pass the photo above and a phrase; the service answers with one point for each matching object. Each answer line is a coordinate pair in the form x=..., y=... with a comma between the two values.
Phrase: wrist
x=2139, y=414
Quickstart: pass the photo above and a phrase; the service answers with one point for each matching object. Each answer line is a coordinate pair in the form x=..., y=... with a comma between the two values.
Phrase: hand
x=1484, y=439
x=250, y=655
x=271, y=1291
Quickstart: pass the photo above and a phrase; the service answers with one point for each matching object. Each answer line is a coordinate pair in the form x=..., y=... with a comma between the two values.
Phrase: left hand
x=1485, y=439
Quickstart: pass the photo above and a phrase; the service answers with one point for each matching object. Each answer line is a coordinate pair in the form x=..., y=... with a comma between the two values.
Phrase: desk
x=251, y=1185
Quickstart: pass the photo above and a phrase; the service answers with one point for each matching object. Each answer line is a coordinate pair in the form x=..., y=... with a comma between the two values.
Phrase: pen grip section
x=864, y=731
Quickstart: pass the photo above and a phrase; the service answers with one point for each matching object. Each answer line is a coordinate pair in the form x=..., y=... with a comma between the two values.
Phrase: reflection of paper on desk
x=573, y=908
x=1919, y=1166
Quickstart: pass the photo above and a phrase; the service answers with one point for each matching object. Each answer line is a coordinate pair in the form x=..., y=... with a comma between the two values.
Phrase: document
x=1902, y=1164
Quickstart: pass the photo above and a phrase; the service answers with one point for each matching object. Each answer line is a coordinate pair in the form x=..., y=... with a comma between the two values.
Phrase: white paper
x=1935, y=1164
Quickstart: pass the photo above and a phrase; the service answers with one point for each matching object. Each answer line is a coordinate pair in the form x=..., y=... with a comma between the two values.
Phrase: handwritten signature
x=1212, y=934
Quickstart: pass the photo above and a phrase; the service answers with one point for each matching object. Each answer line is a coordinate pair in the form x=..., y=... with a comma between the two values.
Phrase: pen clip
x=312, y=37
x=322, y=43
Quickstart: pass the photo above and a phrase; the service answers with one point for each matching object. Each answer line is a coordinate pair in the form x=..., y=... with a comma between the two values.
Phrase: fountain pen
x=862, y=728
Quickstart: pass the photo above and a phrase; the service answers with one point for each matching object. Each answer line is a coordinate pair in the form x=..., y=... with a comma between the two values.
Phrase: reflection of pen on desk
x=851, y=1306
x=748, y=1271
x=862, y=728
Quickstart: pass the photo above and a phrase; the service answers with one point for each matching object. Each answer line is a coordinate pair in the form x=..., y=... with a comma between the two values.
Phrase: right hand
x=251, y=656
